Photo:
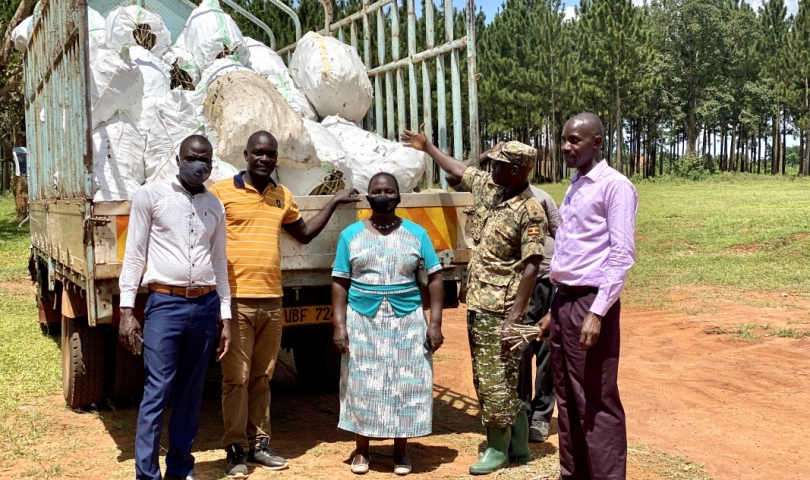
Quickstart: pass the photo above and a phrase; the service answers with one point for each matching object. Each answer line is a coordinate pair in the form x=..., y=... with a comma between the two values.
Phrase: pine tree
x=800, y=79
x=614, y=52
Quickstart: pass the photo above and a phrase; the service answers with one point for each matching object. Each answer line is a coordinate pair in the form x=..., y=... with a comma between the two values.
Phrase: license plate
x=307, y=315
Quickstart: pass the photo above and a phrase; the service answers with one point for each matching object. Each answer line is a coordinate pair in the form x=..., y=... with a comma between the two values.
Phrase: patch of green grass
x=791, y=333
x=14, y=243
x=738, y=231
x=744, y=331
x=20, y=432
x=30, y=363
x=666, y=465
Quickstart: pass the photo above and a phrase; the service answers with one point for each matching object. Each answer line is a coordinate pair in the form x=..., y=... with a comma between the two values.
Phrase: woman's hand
x=434, y=337
x=341, y=340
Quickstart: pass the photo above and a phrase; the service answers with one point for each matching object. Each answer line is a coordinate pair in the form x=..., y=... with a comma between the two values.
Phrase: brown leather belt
x=188, y=292
x=575, y=290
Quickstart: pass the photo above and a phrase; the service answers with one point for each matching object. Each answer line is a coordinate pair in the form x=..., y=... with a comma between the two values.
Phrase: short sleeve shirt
x=505, y=233
x=253, y=221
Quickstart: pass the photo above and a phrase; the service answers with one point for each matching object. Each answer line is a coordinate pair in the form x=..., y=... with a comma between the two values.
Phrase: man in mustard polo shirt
x=255, y=209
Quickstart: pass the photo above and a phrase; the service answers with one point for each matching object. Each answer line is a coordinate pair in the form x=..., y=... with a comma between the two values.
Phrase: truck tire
x=82, y=363
x=317, y=361
x=124, y=382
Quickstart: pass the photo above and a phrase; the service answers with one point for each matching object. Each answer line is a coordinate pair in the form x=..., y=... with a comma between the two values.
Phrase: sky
x=491, y=7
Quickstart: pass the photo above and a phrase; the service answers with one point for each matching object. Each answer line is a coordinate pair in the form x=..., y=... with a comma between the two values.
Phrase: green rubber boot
x=519, y=451
x=496, y=455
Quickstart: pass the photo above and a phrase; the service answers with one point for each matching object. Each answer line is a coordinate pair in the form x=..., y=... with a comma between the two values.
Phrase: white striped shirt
x=181, y=239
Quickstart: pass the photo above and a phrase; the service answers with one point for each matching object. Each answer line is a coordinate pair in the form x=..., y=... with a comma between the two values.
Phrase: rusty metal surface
x=57, y=106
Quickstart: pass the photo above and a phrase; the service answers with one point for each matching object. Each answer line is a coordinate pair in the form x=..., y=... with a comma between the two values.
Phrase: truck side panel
x=57, y=105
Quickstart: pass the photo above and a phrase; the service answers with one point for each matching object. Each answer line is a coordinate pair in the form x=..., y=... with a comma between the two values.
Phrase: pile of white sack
x=148, y=94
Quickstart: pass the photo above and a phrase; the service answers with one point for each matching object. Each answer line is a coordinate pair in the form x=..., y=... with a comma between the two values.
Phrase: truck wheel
x=82, y=363
x=316, y=360
x=125, y=382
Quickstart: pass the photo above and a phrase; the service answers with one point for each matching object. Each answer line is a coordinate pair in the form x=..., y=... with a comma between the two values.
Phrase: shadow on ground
x=304, y=423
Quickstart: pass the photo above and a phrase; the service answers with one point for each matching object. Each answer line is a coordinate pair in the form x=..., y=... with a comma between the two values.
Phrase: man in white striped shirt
x=177, y=229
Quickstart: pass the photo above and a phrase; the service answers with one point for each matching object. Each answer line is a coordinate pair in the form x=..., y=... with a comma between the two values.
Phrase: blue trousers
x=178, y=336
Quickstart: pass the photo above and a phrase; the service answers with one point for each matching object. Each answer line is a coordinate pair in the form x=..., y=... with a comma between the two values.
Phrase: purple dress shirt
x=595, y=244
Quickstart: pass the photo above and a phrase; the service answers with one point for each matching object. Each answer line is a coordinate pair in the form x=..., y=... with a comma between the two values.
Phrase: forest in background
x=685, y=87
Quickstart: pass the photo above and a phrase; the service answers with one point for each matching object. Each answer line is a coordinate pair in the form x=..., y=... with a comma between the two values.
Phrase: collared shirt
x=553, y=217
x=253, y=221
x=505, y=233
x=595, y=243
x=181, y=239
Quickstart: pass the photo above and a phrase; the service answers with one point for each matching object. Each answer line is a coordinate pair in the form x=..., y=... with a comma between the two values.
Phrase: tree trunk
x=775, y=156
x=806, y=149
x=619, y=133
x=783, y=149
x=732, y=164
x=24, y=9
x=609, y=133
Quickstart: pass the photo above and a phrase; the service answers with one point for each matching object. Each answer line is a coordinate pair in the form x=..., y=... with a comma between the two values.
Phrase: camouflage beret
x=515, y=153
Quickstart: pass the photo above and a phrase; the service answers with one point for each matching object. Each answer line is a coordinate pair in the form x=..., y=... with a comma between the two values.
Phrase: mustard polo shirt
x=252, y=221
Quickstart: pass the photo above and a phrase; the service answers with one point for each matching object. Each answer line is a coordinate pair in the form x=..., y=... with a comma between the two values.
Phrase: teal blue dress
x=386, y=381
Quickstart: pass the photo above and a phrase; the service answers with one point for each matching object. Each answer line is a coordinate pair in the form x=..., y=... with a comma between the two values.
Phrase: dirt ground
x=739, y=407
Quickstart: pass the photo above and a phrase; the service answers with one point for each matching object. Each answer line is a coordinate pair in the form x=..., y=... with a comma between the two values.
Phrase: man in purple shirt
x=594, y=250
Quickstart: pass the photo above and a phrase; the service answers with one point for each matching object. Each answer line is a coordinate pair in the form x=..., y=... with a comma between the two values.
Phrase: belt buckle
x=193, y=292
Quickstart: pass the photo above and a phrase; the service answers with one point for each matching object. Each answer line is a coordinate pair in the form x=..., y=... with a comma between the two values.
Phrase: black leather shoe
x=235, y=462
x=261, y=455
x=171, y=476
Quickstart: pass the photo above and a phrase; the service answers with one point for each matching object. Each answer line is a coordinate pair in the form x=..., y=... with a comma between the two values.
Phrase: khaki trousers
x=247, y=369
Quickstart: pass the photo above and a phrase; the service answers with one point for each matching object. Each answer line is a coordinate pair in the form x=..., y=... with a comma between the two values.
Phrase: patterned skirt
x=386, y=381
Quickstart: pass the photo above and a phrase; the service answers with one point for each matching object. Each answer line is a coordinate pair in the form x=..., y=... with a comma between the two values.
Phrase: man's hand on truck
x=128, y=327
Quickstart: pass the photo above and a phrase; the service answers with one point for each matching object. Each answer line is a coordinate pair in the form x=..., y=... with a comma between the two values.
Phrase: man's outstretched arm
x=419, y=141
x=453, y=167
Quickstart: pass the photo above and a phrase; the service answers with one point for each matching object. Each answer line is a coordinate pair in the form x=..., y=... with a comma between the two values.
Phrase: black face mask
x=382, y=204
x=194, y=173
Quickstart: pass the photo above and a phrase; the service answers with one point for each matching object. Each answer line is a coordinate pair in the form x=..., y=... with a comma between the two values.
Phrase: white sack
x=295, y=97
x=210, y=33
x=165, y=123
x=156, y=81
x=327, y=146
x=370, y=154
x=116, y=84
x=263, y=60
x=241, y=103
x=22, y=33
x=97, y=27
x=220, y=67
x=121, y=23
x=184, y=60
x=332, y=76
x=117, y=160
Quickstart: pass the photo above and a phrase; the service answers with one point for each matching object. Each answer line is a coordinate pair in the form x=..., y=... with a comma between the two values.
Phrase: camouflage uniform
x=505, y=233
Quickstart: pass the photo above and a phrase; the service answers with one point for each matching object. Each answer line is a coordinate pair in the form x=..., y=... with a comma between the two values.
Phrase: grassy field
x=743, y=232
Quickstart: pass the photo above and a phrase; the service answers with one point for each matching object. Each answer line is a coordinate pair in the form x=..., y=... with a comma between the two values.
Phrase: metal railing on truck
x=388, y=116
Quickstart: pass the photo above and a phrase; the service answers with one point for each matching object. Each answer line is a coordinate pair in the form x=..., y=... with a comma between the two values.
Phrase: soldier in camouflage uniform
x=508, y=232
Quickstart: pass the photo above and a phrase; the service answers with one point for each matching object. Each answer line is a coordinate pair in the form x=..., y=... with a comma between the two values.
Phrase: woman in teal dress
x=386, y=376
